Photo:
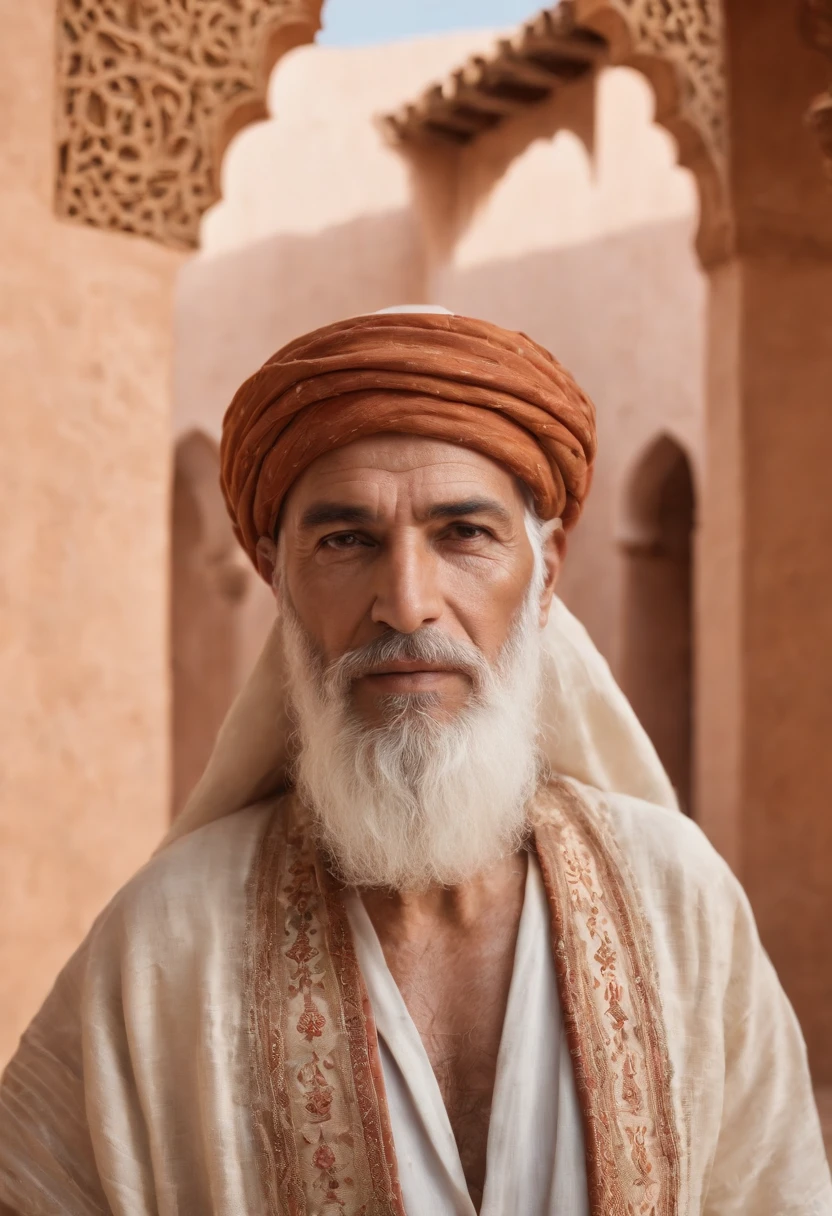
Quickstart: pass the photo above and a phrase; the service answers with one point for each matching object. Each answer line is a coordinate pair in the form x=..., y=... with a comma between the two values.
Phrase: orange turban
x=437, y=375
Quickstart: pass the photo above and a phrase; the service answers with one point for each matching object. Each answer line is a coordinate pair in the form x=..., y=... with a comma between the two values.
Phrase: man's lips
x=410, y=667
x=405, y=675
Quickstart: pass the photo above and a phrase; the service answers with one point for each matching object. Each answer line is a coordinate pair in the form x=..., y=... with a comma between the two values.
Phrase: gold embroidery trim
x=611, y=1010
x=317, y=1089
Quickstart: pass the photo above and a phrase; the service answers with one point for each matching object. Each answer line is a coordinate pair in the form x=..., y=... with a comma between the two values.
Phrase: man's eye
x=343, y=540
x=468, y=532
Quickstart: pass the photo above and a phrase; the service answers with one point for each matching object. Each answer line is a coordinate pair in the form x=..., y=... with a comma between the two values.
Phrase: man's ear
x=266, y=554
x=554, y=551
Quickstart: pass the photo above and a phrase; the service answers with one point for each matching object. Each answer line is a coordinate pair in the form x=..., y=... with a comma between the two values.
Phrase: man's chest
x=459, y=1014
x=465, y=1066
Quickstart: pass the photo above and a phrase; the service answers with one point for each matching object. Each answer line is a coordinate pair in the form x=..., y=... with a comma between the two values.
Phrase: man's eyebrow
x=346, y=513
x=469, y=506
x=334, y=513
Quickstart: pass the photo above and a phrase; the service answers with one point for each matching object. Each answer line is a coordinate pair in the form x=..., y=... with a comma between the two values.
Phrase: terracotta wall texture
x=85, y=351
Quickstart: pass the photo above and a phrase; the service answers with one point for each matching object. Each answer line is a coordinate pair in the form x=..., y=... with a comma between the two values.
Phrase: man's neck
x=402, y=916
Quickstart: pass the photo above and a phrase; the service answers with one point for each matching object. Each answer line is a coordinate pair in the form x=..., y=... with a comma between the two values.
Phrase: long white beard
x=417, y=801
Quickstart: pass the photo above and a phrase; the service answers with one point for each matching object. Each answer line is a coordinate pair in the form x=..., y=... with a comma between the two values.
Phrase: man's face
x=395, y=533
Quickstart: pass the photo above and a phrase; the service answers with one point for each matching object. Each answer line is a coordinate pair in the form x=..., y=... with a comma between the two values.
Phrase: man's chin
x=392, y=709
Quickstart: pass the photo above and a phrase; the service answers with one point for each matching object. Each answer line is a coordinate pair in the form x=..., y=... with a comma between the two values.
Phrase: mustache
x=426, y=645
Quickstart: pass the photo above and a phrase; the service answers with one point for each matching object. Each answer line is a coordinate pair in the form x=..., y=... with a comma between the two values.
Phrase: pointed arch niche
x=220, y=611
x=657, y=635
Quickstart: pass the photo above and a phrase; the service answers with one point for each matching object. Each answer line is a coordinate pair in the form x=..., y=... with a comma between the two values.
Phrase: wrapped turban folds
x=436, y=375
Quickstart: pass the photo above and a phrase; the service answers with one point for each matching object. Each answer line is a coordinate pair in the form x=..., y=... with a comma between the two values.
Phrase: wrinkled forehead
x=404, y=474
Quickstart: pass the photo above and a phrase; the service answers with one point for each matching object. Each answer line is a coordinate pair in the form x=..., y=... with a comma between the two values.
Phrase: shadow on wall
x=234, y=310
x=450, y=184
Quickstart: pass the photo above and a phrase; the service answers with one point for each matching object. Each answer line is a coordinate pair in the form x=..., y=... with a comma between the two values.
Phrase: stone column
x=765, y=546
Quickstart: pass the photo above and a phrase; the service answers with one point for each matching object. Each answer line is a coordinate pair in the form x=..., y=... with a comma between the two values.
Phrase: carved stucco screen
x=149, y=93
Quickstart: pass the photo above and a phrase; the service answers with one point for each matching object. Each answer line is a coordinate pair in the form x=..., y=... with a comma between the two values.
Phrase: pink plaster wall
x=85, y=336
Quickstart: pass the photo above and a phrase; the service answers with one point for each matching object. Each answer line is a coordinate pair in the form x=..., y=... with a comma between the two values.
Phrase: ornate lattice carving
x=149, y=92
x=688, y=35
x=679, y=46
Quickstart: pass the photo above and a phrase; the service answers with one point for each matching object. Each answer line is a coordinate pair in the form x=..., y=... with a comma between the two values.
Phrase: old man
x=446, y=945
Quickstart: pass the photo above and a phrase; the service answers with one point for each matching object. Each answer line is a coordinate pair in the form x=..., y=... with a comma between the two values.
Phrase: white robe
x=535, y=1161
x=130, y=1093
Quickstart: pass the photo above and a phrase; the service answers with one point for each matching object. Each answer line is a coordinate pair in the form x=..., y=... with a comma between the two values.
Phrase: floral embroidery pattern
x=318, y=1100
x=318, y=1090
x=300, y=895
x=631, y=1094
x=611, y=1012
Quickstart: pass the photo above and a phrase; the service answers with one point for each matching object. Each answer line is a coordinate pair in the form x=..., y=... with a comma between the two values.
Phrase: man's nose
x=407, y=591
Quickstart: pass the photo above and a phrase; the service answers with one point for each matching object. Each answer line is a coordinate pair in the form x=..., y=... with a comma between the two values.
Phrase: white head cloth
x=588, y=728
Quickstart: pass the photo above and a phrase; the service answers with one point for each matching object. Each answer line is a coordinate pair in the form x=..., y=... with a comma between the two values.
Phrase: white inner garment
x=535, y=1162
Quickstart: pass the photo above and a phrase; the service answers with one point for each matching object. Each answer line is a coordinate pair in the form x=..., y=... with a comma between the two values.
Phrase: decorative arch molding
x=149, y=92
x=680, y=47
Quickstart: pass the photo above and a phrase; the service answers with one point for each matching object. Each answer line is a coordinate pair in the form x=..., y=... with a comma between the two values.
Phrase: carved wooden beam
x=148, y=94
x=546, y=52
x=677, y=44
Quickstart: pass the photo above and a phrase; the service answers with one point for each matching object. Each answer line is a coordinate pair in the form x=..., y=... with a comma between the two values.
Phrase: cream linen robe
x=135, y=1090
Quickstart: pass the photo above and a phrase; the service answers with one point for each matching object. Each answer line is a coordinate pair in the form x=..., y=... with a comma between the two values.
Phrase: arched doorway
x=657, y=635
x=208, y=583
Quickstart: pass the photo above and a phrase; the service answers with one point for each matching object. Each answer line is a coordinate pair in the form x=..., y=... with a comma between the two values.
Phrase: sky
x=363, y=22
